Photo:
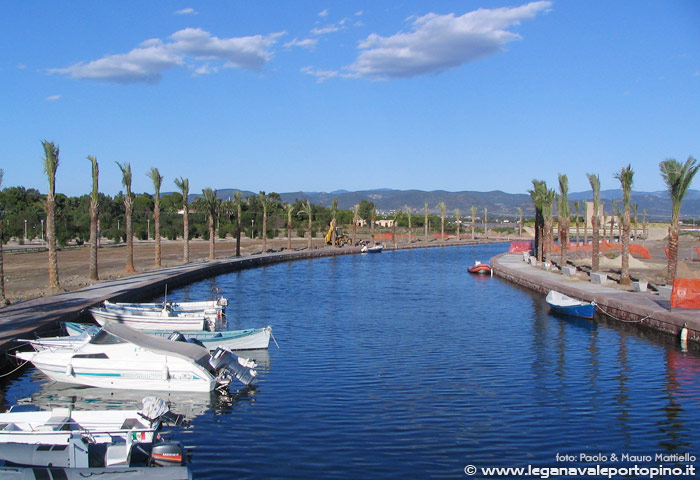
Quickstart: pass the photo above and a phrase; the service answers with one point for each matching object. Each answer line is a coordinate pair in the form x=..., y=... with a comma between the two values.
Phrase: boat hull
x=481, y=269
x=112, y=473
x=143, y=321
x=565, y=305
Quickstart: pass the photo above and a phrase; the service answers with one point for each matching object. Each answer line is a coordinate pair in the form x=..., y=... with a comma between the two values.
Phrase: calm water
x=402, y=365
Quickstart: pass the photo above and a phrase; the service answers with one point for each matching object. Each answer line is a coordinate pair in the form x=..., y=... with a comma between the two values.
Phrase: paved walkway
x=644, y=308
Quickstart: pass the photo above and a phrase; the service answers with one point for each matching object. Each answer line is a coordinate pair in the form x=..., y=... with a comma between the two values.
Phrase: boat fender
x=684, y=333
x=69, y=370
x=166, y=373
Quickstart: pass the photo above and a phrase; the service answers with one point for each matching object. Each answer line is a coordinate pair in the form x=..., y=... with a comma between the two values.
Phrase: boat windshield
x=104, y=338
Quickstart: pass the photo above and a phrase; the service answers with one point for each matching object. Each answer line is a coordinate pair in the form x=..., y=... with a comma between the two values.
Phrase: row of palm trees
x=676, y=175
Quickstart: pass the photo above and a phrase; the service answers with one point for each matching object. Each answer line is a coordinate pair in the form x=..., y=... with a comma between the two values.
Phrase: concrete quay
x=646, y=309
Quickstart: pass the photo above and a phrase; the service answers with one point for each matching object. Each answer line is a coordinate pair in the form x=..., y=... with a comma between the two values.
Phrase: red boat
x=480, y=268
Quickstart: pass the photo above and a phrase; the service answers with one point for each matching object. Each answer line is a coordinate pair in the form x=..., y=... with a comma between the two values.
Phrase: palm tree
x=334, y=214
x=457, y=212
x=577, y=206
x=426, y=221
x=129, y=210
x=441, y=206
x=410, y=228
x=486, y=222
x=184, y=185
x=625, y=176
x=289, y=208
x=563, y=214
x=644, y=223
x=634, y=220
x=520, y=223
x=678, y=178
x=547, y=207
x=238, y=202
x=94, y=218
x=355, y=219
x=539, y=188
x=50, y=165
x=585, y=222
x=3, y=300
x=267, y=204
x=473, y=211
x=594, y=180
x=373, y=215
x=157, y=179
x=308, y=210
x=210, y=204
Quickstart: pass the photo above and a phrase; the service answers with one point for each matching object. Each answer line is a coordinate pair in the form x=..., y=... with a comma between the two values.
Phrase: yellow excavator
x=335, y=236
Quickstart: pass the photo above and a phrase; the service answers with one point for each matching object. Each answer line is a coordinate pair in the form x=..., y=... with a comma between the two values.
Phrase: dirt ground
x=26, y=274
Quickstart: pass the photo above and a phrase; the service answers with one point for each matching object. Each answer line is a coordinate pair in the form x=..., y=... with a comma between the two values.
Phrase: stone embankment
x=648, y=309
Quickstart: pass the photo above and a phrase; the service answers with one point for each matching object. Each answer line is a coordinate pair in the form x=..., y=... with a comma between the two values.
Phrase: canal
x=403, y=365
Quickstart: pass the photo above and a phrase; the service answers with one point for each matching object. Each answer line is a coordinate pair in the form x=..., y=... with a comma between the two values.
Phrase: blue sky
x=327, y=95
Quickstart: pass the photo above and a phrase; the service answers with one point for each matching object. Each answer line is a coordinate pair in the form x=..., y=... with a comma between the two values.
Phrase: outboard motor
x=167, y=454
x=225, y=364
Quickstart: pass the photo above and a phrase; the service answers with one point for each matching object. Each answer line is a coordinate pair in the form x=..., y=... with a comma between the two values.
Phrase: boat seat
x=131, y=423
x=117, y=454
x=57, y=421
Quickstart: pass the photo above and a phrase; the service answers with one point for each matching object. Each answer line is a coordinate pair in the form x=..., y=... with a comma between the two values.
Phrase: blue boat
x=563, y=304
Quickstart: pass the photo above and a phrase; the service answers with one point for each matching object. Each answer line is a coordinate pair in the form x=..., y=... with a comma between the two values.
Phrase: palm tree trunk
x=311, y=237
x=595, y=248
x=393, y=234
x=93, y=241
x=238, y=233
x=186, y=234
x=129, y=207
x=289, y=235
x=51, y=237
x=3, y=299
x=672, y=266
x=156, y=228
x=212, y=238
x=442, y=228
x=264, y=232
x=625, y=273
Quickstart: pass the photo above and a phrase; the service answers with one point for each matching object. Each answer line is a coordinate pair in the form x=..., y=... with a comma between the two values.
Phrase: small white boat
x=375, y=249
x=248, y=339
x=566, y=305
x=89, y=443
x=162, y=319
x=123, y=358
x=210, y=307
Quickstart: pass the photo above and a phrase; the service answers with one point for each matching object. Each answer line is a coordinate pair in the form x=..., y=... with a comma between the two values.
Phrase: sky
x=284, y=96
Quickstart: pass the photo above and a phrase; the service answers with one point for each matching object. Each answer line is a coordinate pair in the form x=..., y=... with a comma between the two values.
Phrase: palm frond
x=50, y=159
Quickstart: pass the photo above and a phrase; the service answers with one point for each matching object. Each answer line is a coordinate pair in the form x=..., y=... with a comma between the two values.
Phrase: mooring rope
x=622, y=319
x=13, y=371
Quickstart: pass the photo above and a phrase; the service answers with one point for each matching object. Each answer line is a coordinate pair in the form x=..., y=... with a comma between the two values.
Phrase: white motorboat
x=247, y=339
x=121, y=357
x=162, y=319
x=208, y=308
x=97, y=442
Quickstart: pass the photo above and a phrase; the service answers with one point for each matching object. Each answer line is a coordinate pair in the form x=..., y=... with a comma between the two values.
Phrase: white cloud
x=309, y=43
x=441, y=42
x=324, y=30
x=186, y=11
x=323, y=13
x=52, y=98
x=321, y=75
x=147, y=62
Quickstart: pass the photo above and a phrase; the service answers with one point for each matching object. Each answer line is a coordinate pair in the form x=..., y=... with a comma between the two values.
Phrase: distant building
x=589, y=212
x=384, y=223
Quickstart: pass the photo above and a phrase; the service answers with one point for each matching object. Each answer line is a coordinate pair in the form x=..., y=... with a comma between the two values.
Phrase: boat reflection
x=189, y=404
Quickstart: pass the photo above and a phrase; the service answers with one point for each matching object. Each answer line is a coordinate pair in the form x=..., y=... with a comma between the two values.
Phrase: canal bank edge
x=645, y=309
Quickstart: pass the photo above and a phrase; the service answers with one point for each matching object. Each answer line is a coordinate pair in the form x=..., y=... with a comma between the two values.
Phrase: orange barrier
x=516, y=247
x=697, y=250
x=686, y=293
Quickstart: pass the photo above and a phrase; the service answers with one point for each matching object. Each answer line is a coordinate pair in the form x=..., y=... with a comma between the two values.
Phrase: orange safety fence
x=605, y=247
x=697, y=250
x=516, y=247
x=686, y=293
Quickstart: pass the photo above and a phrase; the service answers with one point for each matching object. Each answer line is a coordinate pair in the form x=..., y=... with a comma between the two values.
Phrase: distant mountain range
x=499, y=204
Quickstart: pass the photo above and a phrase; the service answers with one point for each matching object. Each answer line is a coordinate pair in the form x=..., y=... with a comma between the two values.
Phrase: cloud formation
x=53, y=98
x=186, y=11
x=440, y=42
x=192, y=48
